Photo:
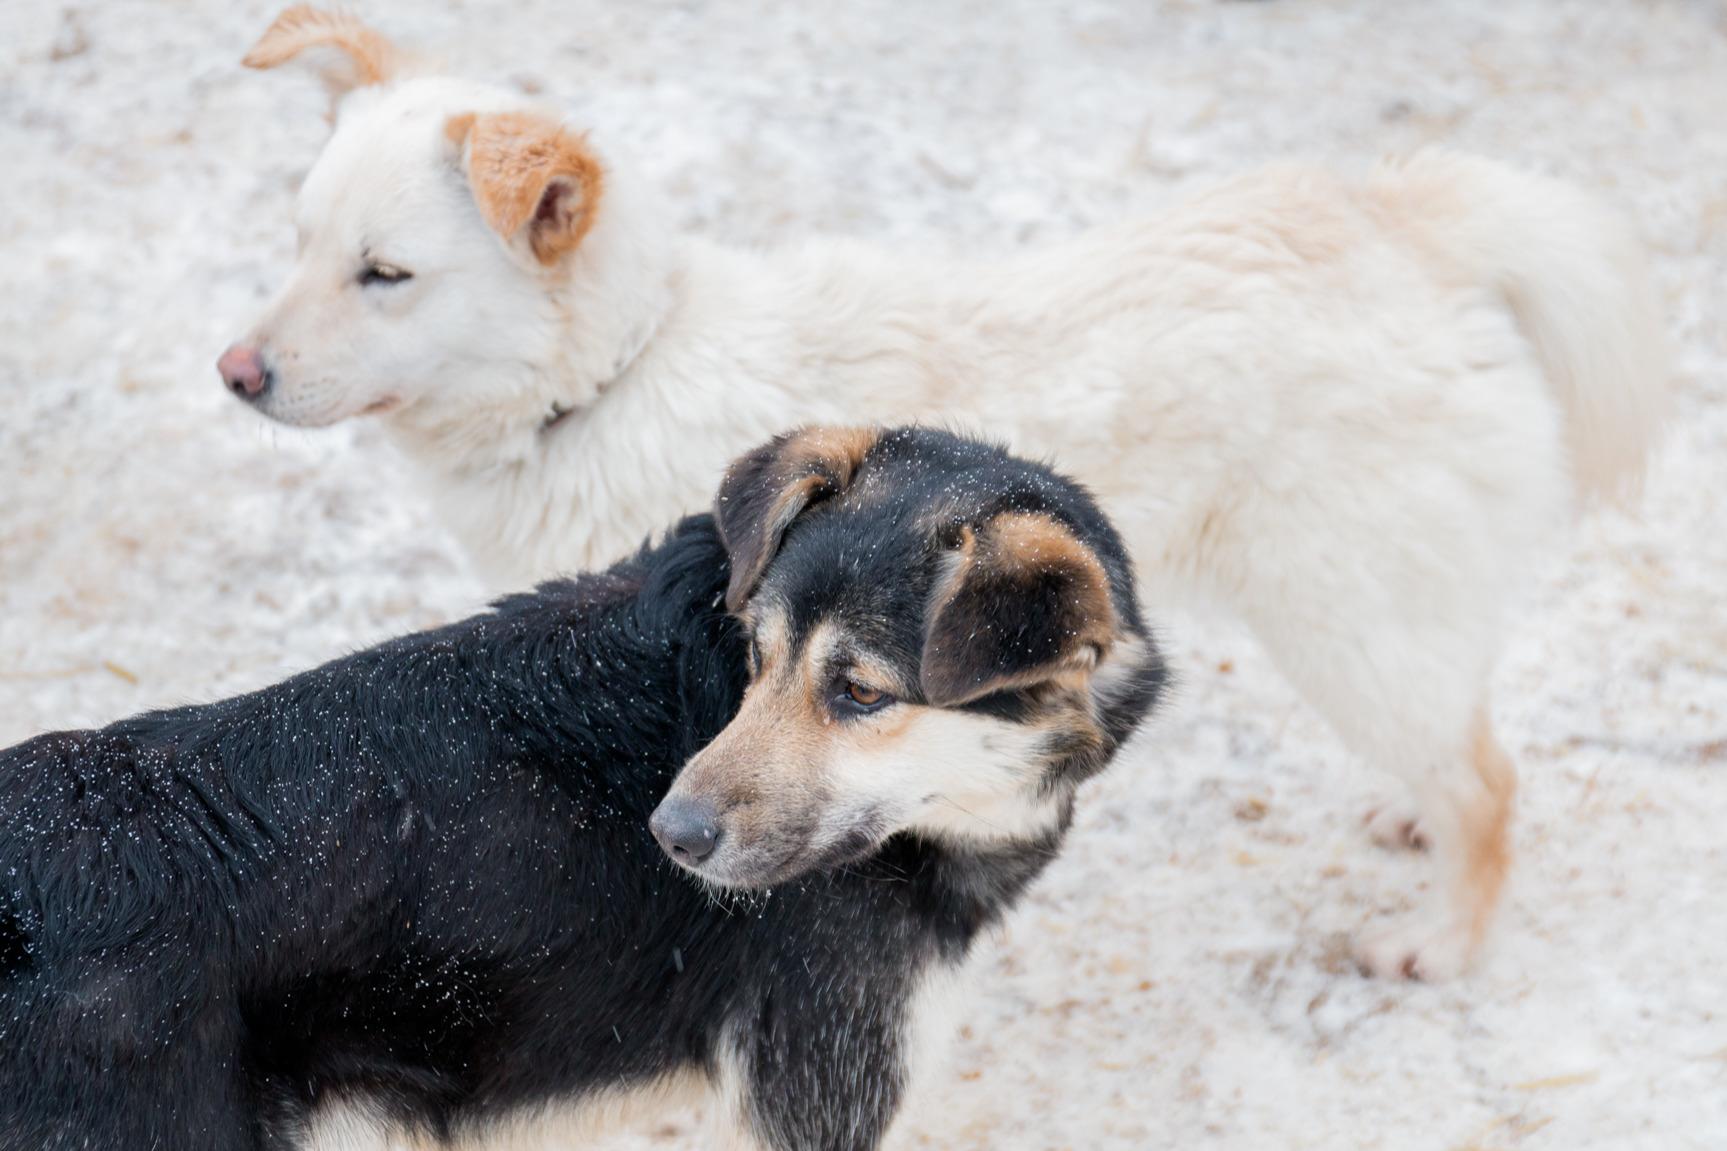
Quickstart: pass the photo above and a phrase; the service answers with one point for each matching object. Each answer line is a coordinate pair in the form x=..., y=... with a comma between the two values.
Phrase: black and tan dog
x=944, y=643
x=410, y=899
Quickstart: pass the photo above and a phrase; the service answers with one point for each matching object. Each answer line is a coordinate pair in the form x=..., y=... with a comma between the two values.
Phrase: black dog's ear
x=766, y=490
x=1027, y=602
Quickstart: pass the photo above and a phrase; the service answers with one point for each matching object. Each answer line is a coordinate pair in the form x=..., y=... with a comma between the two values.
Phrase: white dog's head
x=462, y=261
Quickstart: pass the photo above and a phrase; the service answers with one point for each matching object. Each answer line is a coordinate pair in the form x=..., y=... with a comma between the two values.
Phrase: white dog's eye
x=383, y=274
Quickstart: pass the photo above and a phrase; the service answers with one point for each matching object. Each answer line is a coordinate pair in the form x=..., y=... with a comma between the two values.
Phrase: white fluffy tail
x=1576, y=279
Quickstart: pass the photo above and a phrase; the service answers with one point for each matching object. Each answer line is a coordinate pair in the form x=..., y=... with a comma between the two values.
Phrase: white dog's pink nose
x=244, y=372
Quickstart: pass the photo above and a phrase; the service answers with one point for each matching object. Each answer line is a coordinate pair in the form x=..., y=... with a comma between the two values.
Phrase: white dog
x=1353, y=412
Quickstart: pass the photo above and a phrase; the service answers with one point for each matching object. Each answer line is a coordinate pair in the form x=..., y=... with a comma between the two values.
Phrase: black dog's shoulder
x=582, y=681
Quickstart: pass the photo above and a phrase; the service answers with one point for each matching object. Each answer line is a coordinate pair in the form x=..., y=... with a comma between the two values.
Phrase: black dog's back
x=377, y=876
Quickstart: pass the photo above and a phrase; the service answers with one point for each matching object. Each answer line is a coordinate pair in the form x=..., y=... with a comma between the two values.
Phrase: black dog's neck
x=958, y=891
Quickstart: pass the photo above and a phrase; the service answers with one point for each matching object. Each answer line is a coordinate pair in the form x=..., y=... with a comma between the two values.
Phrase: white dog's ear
x=357, y=56
x=535, y=182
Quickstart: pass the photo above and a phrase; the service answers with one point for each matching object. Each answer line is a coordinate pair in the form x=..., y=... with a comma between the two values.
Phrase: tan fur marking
x=374, y=58
x=842, y=449
x=514, y=159
x=880, y=676
x=1487, y=828
x=793, y=498
x=456, y=128
x=766, y=765
x=772, y=637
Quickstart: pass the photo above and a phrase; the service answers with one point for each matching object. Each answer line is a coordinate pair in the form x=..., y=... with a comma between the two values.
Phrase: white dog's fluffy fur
x=1354, y=412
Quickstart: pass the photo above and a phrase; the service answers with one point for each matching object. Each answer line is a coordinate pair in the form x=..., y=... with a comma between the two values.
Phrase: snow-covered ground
x=1179, y=978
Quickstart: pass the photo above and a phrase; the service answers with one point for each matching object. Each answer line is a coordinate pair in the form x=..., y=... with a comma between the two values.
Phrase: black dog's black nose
x=688, y=829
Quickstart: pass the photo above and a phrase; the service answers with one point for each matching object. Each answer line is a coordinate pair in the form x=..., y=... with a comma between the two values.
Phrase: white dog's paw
x=1396, y=828
x=1424, y=949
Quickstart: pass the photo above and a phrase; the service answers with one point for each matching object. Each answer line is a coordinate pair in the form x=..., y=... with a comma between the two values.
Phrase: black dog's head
x=944, y=640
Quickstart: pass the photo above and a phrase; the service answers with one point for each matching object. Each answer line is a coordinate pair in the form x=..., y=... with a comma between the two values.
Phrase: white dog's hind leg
x=1466, y=807
x=1400, y=678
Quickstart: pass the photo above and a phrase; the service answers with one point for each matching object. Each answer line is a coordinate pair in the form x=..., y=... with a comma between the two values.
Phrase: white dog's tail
x=1576, y=279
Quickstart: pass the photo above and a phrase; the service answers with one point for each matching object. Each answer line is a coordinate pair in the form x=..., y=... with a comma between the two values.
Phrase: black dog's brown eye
x=861, y=698
x=383, y=274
